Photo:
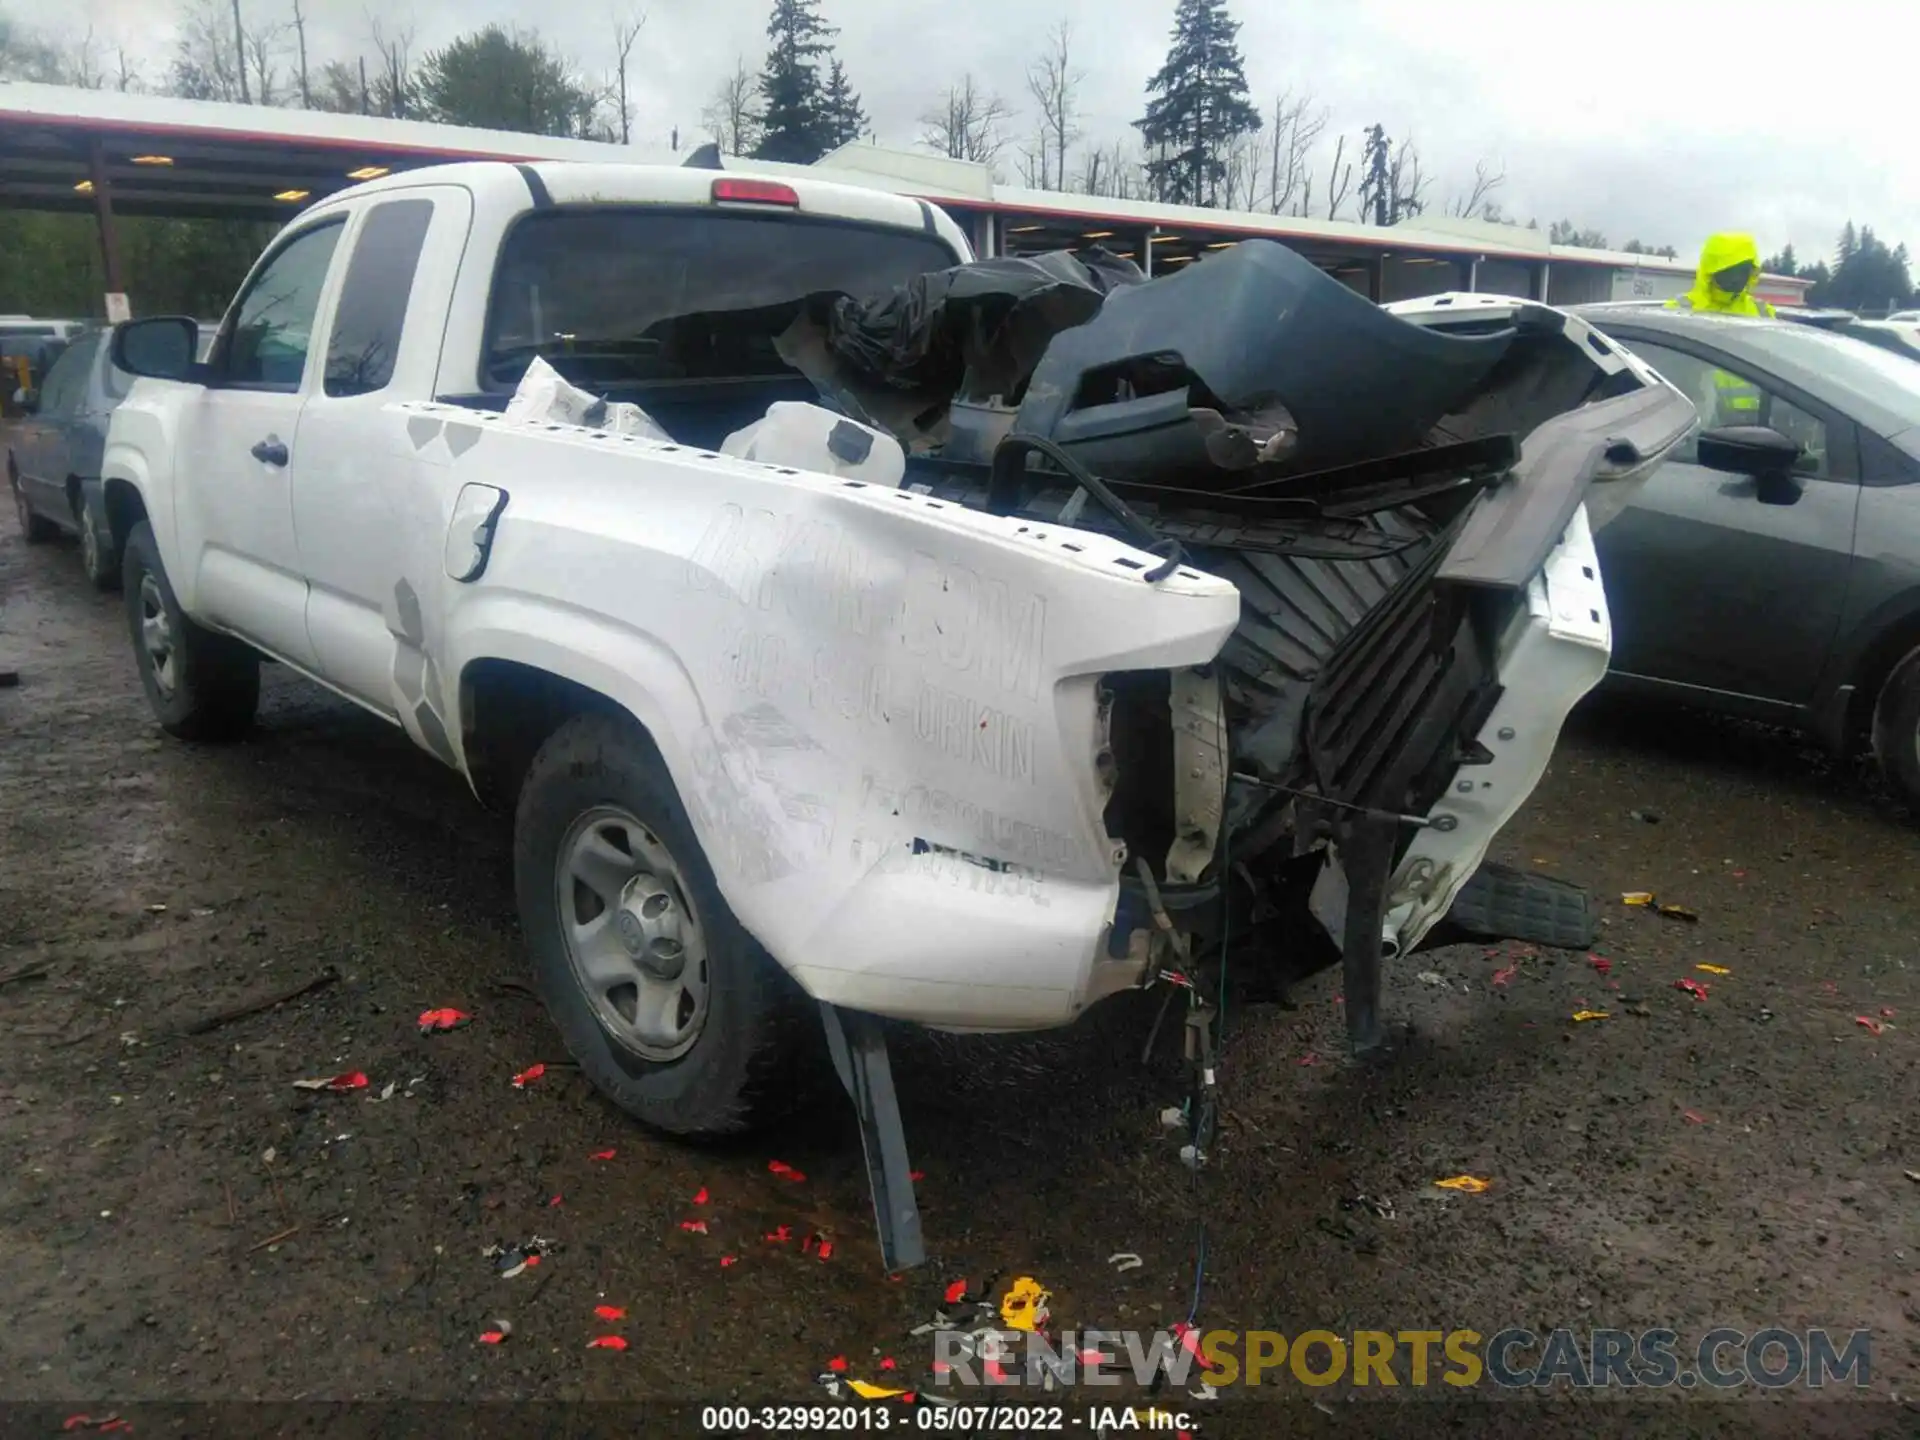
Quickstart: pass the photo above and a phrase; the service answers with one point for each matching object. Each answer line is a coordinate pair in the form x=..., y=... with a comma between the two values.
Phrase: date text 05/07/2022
x=966, y=1419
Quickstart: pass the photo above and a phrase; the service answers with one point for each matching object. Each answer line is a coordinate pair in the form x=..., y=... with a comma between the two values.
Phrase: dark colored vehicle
x=1770, y=567
x=55, y=449
x=27, y=352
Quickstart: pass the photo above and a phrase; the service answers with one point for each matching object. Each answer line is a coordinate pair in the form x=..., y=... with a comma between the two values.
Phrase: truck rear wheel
x=672, y=1010
x=202, y=686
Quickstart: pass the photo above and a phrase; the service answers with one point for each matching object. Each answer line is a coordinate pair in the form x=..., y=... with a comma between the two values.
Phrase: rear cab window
x=633, y=297
x=372, y=309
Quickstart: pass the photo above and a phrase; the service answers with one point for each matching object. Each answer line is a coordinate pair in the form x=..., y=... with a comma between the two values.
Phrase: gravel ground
x=182, y=1224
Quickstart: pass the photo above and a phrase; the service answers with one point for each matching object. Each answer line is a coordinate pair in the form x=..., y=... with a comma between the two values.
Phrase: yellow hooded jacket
x=1717, y=254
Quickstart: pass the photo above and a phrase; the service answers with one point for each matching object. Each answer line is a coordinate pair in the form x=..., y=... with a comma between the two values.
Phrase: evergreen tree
x=1785, y=263
x=795, y=123
x=1199, y=106
x=845, y=120
x=1848, y=244
x=1376, y=175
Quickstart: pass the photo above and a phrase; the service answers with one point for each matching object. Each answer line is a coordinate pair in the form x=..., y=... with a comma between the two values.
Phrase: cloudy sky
x=1660, y=121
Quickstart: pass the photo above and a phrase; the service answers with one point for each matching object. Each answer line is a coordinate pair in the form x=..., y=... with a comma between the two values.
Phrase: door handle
x=270, y=452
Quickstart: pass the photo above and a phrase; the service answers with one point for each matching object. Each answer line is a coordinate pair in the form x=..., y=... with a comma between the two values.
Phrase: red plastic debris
x=726, y=1260
x=941, y=1367
x=532, y=1260
x=784, y=1170
x=780, y=1234
x=1692, y=987
x=492, y=1337
x=698, y=1227
x=1600, y=963
x=826, y=1249
x=553, y=1202
x=916, y=1176
x=602, y=1155
x=527, y=1076
x=1693, y=1116
x=1501, y=977
x=1887, y=1013
x=806, y=1245
x=607, y=1342
x=1869, y=1024
x=1308, y=1059
x=956, y=1292
x=886, y=1363
x=446, y=1019
x=609, y=1312
x=700, y=1196
x=838, y=1364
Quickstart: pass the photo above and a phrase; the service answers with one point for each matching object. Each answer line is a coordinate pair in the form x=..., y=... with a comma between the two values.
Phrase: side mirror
x=1748, y=450
x=158, y=349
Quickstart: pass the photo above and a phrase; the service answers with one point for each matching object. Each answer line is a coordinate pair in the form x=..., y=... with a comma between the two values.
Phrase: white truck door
x=360, y=494
x=238, y=456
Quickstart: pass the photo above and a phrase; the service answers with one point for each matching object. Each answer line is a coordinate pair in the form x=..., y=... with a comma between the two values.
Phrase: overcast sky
x=1660, y=121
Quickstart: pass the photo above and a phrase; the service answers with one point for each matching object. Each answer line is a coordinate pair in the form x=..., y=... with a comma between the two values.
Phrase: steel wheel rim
x=156, y=634
x=635, y=942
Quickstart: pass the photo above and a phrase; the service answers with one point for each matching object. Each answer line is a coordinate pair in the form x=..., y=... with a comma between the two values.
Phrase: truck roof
x=534, y=185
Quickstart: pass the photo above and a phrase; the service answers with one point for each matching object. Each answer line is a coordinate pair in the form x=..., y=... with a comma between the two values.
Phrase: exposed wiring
x=1009, y=474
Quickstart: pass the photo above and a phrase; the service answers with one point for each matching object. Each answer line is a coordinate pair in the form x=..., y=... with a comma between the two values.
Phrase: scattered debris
x=1645, y=817
x=1640, y=1008
x=916, y=1176
x=601, y=1155
x=780, y=1234
x=1173, y=1117
x=784, y=1171
x=956, y=1292
x=1600, y=963
x=697, y=1227
x=1693, y=1117
x=351, y=1080
x=609, y=1312
x=1430, y=977
x=386, y=1090
x=510, y=1260
x=700, y=1196
x=272, y=1240
x=726, y=1260
x=1692, y=987
x=867, y=1390
x=1677, y=912
x=1124, y=1261
x=1468, y=1184
x=1913, y=1175
x=607, y=1342
x=1379, y=1207
x=1308, y=1059
x=1713, y=969
x=1024, y=1306
x=1637, y=897
x=1869, y=1024
x=448, y=1019
x=1582, y=1016
x=492, y=1337
x=554, y=1202
x=1205, y=1391
x=156, y=909
x=1887, y=1013
x=527, y=1076
x=1502, y=977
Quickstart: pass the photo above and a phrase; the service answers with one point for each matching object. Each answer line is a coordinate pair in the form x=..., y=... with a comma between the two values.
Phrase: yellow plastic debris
x=1590, y=1015
x=1637, y=897
x=1472, y=1185
x=1024, y=1304
x=1714, y=969
x=866, y=1390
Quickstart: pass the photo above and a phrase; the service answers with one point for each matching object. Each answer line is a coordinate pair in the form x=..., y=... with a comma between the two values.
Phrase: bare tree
x=625, y=33
x=1339, y=181
x=240, y=50
x=206, y=63
x=395, y=86
x=731, y=116
x=965, y=123
x=1110, y=172
x=1054, y=82
x=264, y=50
x=1406, y=184
x=1297, y=127
x=1478, y=202
x=300, y=33
x=128, y=79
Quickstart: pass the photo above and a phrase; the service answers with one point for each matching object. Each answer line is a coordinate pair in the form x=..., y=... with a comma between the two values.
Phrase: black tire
x=98, y=557
x=1896, y=729
x=37, y=529
x=209, y=687
x=748, y=1062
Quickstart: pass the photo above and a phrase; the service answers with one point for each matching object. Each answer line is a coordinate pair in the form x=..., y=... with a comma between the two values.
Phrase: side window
x=1728, y=397
x=66, y=383
x=373, y=299
x=266, y=349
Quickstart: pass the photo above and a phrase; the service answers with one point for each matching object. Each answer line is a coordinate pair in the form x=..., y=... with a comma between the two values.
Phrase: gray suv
x=55, y=449
x=1771, y=567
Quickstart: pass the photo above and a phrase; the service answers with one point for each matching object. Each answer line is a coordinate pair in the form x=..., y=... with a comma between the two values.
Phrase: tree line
x=1200, y=140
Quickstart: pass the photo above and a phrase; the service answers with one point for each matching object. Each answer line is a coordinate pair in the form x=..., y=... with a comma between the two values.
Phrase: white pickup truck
x=965, y=750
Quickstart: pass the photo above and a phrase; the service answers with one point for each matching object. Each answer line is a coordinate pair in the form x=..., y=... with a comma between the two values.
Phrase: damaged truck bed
x=858, y=630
